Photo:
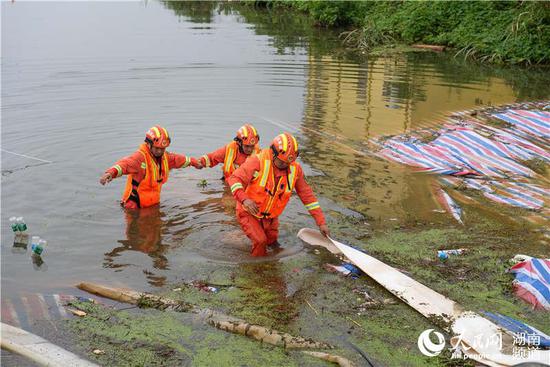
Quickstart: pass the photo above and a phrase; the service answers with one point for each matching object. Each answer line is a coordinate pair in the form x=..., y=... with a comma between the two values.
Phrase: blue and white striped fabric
x=532, y=282
x=496, y=157
x=533, y=337
x=536, y=123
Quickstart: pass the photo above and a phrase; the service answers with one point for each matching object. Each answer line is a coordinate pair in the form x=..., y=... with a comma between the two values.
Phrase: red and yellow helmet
x=247, y=135
x=158, y=137
x=285, y=147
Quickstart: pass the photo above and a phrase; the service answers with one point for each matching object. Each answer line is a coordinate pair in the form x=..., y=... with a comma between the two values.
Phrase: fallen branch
x=260, y=333
x=430, y=47
x=341, y=361
x=216, y=319
x=117, y=294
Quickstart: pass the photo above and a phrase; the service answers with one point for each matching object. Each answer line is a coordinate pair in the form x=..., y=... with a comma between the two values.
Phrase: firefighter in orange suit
x=262, y=187
x=147, y=169
x=234, y=154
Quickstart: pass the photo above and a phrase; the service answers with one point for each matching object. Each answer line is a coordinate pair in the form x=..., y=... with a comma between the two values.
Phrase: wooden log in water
x=145, y=300
x=216, y=319
x=117, y=294
x=430, y=47
x=260, y=333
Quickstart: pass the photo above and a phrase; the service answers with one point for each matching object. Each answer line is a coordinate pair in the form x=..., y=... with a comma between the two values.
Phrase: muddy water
x=82, y=82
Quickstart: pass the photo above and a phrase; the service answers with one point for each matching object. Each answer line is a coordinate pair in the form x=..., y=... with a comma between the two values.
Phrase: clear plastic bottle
x=39, y=248
x=42, y=245
x=14, y=226
x=34, y=241
x=21, y=225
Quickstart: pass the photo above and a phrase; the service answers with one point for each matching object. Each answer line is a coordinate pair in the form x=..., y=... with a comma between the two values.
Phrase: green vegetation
x=158, y=338
x=489, y=31
x=194, y=11
x=297, y=295
x=128, y=339
x=288, y=32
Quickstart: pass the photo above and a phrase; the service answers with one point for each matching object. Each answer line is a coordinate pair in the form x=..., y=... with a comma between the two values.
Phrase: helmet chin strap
x=239, y=144
x=274, y=150
x=276, y=153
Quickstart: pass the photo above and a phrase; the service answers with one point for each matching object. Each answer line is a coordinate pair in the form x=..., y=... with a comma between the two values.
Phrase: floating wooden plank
x=423, y=299
x=38, y=349
x=471, y=331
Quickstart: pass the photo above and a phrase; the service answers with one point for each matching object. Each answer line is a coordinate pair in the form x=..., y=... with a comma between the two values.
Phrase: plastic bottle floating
x=38, y=246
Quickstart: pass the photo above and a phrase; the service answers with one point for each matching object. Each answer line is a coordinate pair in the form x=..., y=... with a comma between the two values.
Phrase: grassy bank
x=497, y=32
x=299, y=296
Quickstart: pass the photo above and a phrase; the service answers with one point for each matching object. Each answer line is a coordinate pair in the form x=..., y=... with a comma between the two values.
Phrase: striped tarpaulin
x=528, y=196
x=532, y=282
x=450, y=205
x=30, y=309
x=521, y=330
x=457, y=151
x=497, y=157
x=532, y=123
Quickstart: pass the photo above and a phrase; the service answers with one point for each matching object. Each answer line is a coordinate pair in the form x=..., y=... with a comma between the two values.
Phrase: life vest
x=270, y=196
x=147, y=192
x=231, y=152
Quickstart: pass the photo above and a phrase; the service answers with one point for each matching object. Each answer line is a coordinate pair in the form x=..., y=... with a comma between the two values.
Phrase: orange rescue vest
x=231, y=152
x=148, y=190
x=270, y=196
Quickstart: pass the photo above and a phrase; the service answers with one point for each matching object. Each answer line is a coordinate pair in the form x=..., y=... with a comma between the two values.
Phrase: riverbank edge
x=504, y=33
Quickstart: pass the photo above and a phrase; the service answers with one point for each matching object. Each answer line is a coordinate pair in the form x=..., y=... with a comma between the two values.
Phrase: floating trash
x=444, y=254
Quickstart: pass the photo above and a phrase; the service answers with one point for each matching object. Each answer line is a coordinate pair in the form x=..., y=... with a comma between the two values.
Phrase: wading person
x=147, y=169
x=234, y=154
x=262, y=187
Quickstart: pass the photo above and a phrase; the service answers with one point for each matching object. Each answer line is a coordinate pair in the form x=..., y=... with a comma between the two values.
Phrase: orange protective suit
x=146, y=175
x=230, y=155
x=270, y=188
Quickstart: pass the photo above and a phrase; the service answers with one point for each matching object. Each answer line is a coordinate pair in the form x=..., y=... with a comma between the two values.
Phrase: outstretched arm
x=308, y=198
x=125, y=166
x=214, y=158
x=182, y=161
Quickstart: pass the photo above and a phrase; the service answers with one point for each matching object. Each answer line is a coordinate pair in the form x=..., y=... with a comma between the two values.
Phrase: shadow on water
x=193, y=11
x=144, y=234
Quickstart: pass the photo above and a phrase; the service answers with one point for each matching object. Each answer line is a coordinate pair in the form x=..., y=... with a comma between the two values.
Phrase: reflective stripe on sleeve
x=313, y=206
x=118, y=169
x=236, y=186
x=187, y=162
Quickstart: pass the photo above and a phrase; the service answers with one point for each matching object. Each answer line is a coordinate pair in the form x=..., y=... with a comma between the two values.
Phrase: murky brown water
x=82, y=82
